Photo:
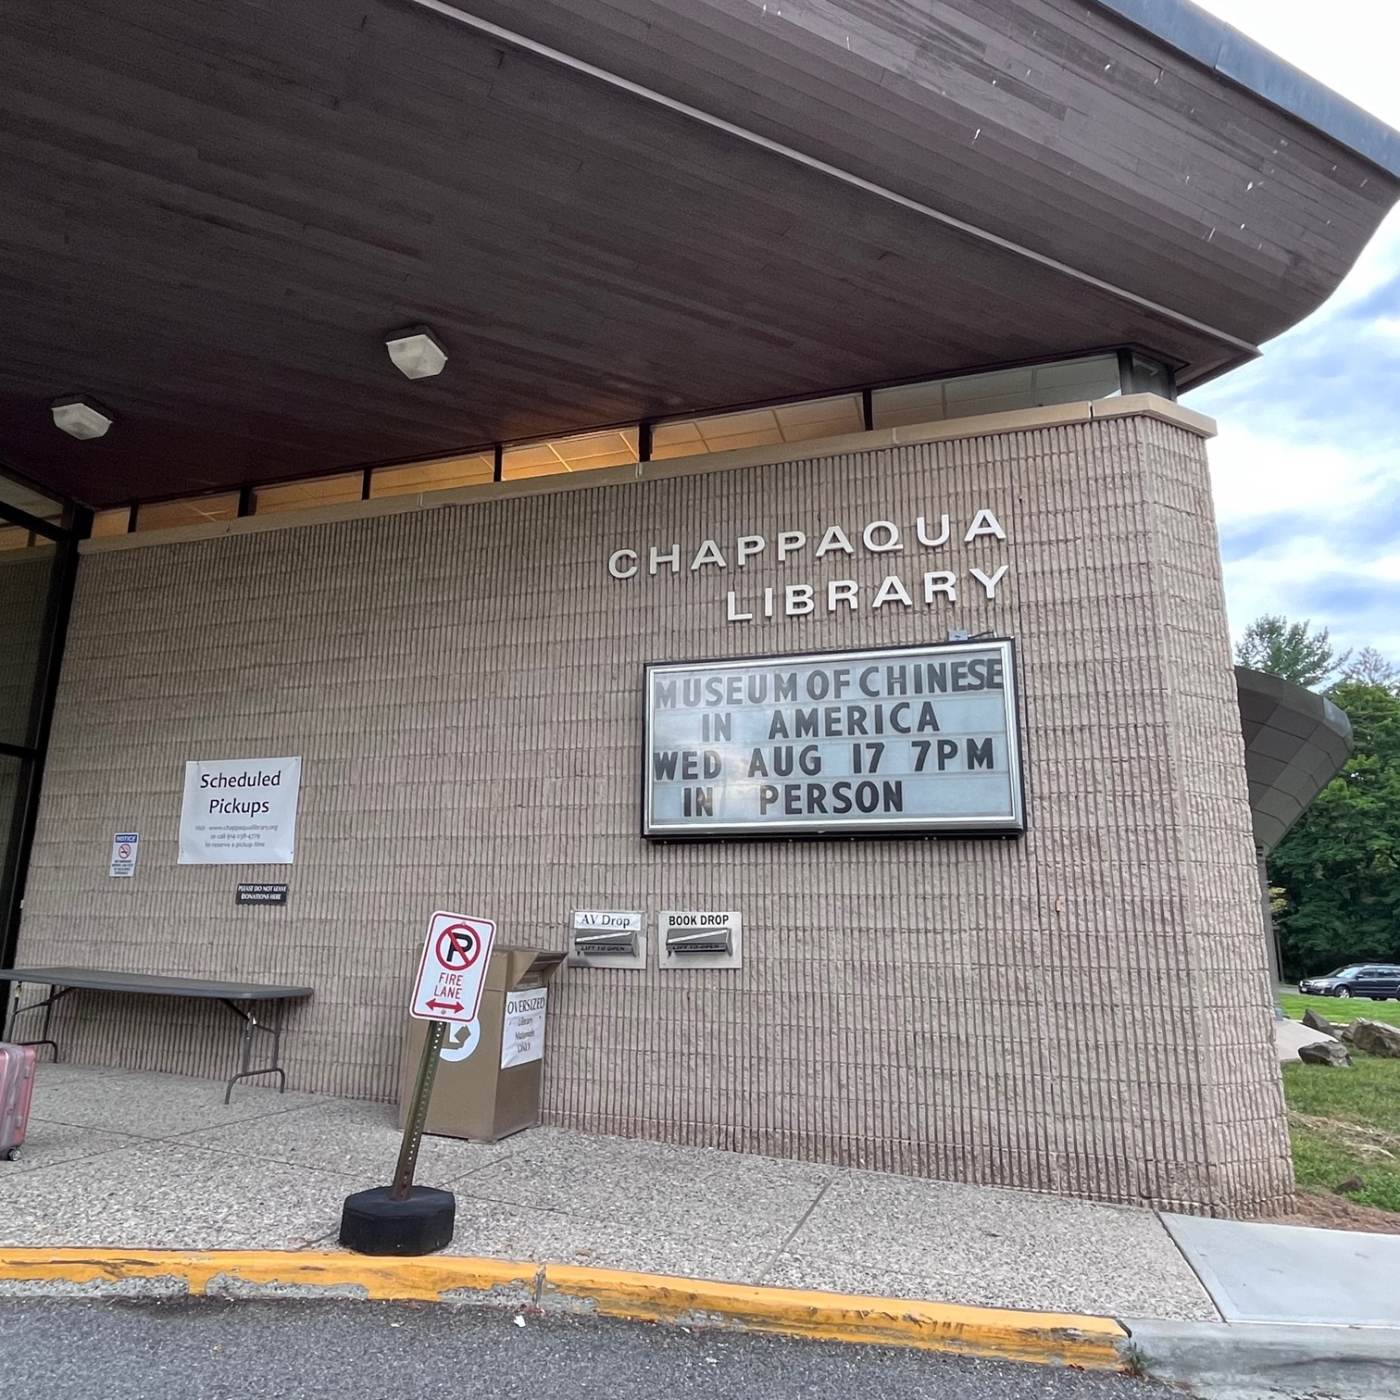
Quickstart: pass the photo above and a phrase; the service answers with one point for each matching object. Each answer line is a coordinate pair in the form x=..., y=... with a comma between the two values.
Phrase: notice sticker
x=125, y=846
x=522, y=1035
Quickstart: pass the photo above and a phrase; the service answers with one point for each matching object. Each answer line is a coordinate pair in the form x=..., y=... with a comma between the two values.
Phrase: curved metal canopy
x=1295, y=743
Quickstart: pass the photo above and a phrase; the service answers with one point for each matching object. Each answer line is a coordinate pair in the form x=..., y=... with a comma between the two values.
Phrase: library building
x=700, y=484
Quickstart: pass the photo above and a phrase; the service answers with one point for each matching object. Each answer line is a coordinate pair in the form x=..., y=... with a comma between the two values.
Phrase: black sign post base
x=379, y=1222
x=404, y=1218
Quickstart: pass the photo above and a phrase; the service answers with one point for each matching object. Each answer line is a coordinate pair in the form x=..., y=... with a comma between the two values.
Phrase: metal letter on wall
x=901, y=739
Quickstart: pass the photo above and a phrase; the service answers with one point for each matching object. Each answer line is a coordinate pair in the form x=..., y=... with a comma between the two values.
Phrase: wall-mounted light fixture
x=80, y=418
x=416, y=352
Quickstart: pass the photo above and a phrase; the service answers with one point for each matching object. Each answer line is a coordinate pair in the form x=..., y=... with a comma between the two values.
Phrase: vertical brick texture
x=1082, y=1010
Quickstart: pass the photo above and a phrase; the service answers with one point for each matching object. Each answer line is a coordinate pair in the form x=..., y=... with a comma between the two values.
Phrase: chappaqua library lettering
x=877, y=537
x=916, y=739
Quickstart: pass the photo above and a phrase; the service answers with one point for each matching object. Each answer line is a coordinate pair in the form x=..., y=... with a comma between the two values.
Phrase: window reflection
x=313, y=491
x=26, y=576
x=999, y=391
x=439, y=475
x=191, y=510
x=111, y=522
x=758, y=427
x=31, y=502
x=616, y=447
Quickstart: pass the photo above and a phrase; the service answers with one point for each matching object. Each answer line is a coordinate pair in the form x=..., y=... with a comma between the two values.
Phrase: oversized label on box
x=522, y=1034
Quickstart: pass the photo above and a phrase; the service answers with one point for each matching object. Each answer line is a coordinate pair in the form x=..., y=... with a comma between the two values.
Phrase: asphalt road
x=301, y=1351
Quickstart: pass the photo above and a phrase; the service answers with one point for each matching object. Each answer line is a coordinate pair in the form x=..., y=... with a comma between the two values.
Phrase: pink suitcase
x=16, y=1090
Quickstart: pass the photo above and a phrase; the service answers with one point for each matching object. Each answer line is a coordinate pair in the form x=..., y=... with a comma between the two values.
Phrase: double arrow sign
x=452, y=970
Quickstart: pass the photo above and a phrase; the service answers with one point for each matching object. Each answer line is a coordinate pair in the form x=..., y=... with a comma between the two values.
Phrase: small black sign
x=262, y=894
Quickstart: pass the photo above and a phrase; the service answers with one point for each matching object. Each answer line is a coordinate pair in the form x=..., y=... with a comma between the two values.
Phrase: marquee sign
x=906, y=739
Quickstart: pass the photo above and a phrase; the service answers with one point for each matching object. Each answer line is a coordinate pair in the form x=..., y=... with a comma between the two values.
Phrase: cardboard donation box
x=489, y=1073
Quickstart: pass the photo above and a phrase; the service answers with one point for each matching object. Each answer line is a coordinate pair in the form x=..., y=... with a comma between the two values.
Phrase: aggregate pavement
x=129, y=1159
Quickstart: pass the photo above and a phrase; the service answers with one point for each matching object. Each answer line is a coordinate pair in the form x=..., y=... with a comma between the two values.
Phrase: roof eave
x=1224, y=50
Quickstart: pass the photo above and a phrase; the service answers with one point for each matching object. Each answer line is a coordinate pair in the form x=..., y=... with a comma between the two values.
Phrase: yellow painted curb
x=423, y=1279
x=1063, y=1338
x=1054, y=1338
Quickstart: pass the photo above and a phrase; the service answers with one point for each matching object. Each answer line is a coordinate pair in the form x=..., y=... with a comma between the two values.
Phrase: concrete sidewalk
x=121, y=1158
x=125, y=1165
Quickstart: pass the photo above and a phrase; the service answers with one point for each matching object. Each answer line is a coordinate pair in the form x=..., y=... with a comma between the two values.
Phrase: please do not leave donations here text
x=921, y=739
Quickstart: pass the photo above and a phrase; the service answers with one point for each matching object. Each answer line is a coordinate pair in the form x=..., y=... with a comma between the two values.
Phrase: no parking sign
x=403, y=1218
x=452, y=969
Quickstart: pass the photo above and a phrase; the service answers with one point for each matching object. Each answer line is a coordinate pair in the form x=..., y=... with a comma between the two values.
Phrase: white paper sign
x=125, y=847
x=522, y=1035
x=240, y=811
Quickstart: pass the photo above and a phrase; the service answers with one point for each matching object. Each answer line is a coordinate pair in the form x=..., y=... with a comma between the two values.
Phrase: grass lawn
x=1346, y=1122
x=1339, y=1009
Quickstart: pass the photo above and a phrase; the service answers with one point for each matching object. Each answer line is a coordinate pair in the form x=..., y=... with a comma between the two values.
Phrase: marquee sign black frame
x=860, y=827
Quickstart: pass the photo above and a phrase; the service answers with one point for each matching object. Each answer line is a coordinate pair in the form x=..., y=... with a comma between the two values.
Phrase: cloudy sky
x=1307, y=464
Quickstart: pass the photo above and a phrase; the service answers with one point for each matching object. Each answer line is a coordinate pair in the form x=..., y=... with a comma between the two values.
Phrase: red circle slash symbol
x=458, y=947
x=123, y=852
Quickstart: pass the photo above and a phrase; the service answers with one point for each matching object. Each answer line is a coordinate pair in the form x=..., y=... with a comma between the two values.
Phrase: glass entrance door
x=38, y=558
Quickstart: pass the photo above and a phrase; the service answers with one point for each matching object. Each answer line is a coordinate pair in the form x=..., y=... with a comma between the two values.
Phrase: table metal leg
x=251, y=1026
x=47, y=1004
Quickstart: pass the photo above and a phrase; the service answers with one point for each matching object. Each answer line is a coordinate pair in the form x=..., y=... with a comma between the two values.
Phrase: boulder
x=1325, y=1052
x=1347, y=1033
x=1289, y=1036
x=1375, y=1038
x=1314, y=1022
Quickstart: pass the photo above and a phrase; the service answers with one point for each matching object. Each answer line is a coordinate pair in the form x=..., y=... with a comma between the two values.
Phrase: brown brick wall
x=1083, y=1010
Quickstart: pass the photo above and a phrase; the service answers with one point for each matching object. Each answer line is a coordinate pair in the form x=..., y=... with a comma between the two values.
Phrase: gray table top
x=148, y=984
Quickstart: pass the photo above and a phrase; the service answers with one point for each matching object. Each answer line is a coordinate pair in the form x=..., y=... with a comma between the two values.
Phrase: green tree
x=1339, y=867
x=1371, y=668
x=1291, y=650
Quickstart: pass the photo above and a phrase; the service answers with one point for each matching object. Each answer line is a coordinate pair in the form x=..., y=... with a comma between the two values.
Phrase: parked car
x=1379, y=981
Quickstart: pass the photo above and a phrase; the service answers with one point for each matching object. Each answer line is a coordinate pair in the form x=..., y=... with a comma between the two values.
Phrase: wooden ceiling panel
x=214, y=213
x=1036, y=119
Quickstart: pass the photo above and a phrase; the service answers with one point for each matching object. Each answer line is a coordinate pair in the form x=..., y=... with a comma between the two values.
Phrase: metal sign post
x=403, y=1218
x=418, y=1111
